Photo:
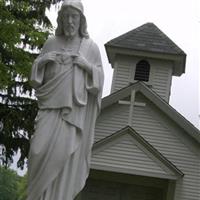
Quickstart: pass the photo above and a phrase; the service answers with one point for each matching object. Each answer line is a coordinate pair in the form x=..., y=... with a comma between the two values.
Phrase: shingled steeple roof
x=150, y=42
x=147, y=37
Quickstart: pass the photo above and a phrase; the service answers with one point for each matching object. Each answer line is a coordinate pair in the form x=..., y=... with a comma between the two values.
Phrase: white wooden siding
x=147, y=121
x=126, y=155
x=156, y=128
x=160, y=74
x=111, y=119
x=121, y=78
x=161, y=80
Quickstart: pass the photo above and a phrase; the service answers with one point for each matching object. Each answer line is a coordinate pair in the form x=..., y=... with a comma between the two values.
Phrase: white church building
x=144, y=149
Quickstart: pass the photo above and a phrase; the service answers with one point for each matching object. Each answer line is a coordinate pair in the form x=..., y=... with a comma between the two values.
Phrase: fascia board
x=171, y=112
x=178, y=59
x=133, y=172
x=159, y=102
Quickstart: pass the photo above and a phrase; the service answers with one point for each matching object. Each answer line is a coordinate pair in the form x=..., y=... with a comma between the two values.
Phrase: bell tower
x=145, y=54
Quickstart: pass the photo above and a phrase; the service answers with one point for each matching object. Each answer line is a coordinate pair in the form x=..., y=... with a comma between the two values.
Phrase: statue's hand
x=82, y=63
x=49, y=57
x=64, y=58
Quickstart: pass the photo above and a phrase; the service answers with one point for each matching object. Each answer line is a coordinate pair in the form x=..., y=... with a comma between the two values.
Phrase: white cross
x=131, y=104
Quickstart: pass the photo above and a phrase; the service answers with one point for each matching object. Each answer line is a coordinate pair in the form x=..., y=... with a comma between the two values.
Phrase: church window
x=142, y=71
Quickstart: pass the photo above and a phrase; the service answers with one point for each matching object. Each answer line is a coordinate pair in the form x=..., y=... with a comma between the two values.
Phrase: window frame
x=133, y=70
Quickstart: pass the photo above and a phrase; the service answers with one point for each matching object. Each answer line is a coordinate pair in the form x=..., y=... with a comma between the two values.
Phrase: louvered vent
x=142, y=71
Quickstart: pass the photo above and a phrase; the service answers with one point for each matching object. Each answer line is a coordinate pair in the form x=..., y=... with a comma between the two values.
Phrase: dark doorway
x=108, y=190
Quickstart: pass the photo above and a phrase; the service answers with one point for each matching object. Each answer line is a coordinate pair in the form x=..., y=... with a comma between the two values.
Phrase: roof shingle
x=147, y=37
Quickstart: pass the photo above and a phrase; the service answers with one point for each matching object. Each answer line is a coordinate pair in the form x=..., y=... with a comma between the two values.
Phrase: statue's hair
x=82, y=29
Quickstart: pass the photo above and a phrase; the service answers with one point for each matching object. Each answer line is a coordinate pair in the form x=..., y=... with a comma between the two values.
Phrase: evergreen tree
x=23, y=29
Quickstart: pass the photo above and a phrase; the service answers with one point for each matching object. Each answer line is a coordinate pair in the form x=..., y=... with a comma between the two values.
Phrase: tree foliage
x=12, y=186
x=22, y=188
x=24, y=28
x=8, y=184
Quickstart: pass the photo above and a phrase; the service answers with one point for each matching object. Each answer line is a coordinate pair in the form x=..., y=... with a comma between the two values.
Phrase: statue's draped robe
x=69, y=101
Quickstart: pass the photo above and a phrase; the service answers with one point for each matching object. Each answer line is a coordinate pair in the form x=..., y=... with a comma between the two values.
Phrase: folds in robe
x=69, y=101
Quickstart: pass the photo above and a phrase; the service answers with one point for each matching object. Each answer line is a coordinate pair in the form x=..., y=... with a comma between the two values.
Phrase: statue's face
x=71, y=22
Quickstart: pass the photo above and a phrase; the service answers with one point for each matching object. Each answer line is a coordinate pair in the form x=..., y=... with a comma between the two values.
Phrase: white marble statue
x=68, y=79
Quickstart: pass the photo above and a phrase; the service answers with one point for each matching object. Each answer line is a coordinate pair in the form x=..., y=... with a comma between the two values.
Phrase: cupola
x=145, y=54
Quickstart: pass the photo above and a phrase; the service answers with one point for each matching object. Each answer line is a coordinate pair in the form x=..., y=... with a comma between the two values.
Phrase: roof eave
x=127, y=129
x=179, y=60
x=164, y=106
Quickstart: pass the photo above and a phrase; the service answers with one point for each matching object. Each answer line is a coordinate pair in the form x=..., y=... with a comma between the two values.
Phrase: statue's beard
x=70, y=31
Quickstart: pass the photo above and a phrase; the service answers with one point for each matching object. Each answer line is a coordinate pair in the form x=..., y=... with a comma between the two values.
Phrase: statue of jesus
x=68, y=79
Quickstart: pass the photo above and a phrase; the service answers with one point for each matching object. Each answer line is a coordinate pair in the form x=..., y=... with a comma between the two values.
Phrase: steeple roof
x=150, y=42
x=147, y=37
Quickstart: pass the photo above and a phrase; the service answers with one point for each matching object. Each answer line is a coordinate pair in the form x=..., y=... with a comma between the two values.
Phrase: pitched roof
x=147, y=37
x=141, y=158
x=150, y=42
x=189, y=128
